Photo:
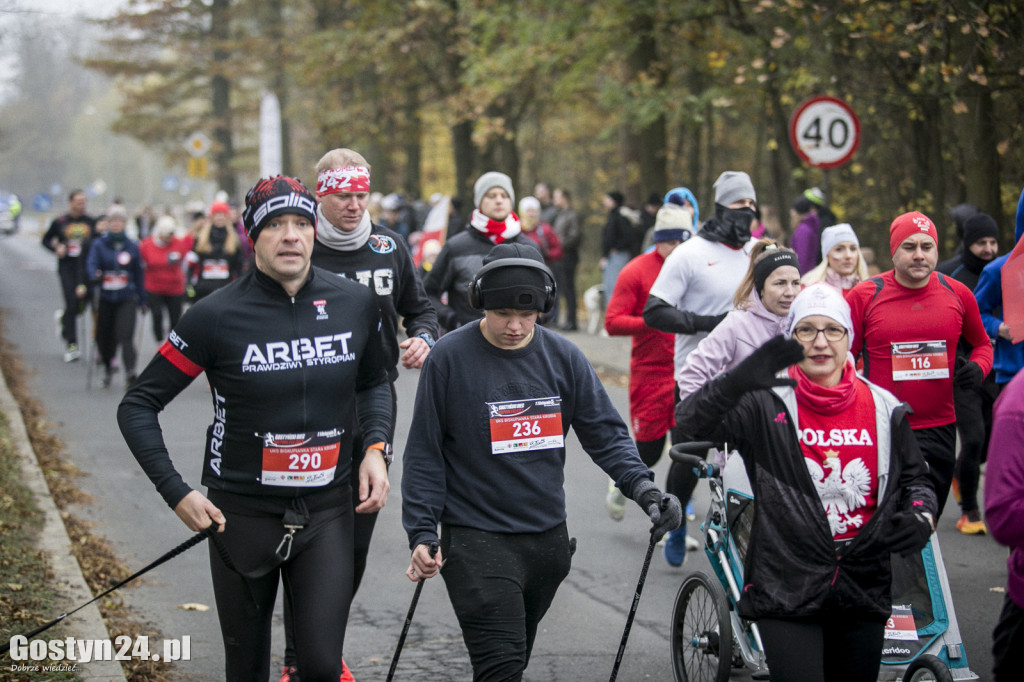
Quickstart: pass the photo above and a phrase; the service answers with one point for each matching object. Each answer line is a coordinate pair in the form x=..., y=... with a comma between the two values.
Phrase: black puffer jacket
x=792, y=567
x=460, y=259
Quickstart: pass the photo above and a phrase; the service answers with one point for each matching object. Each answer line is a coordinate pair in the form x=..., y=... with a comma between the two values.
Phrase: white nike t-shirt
x=702, y=277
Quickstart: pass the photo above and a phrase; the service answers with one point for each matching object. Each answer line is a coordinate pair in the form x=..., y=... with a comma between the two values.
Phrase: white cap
x=837, y=234
x=820, y=299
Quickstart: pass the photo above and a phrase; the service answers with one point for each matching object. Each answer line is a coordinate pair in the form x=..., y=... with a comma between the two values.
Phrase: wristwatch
x=385, y=450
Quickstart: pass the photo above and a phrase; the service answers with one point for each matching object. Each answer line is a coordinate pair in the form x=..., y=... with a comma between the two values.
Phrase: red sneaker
x=289, y=674
x=346, y=674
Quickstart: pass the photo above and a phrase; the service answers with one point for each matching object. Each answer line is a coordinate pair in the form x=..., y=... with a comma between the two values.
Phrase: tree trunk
x=465, y=172
x=981, y=162
x=649, y=141
x=223, y=151
x=779, y=166
x=929, y=167
x=413, y=145
x=273, y=23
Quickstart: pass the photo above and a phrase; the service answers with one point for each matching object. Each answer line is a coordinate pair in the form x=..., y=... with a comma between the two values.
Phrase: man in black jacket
x=493, y=222
x=294, y=360
x=69, y=236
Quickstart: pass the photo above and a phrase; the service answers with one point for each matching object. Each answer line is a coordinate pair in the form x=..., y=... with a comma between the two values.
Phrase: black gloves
x=706, y=323
x=759, y=369
x=908, y=532
x=968, y=374
x=665, y=511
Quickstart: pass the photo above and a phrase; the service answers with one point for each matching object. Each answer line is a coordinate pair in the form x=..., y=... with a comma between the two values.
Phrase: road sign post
x=197, y=144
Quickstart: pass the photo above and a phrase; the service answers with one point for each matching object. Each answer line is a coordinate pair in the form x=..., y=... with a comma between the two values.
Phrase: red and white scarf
x=494, y=230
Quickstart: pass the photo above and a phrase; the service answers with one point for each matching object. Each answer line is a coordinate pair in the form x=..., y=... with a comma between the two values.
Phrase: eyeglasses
x=809, y=334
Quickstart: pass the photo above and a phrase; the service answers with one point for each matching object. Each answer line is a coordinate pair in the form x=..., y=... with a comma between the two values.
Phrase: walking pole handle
x=432, y=550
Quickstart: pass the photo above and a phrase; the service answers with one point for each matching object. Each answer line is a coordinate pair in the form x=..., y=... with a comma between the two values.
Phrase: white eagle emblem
x=841, y=493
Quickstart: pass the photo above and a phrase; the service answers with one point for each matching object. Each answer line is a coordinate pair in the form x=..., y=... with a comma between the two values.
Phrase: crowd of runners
x=861, y=399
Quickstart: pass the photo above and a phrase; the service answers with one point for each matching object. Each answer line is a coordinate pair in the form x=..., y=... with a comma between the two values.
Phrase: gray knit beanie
x=489, y=180
x=732, y=186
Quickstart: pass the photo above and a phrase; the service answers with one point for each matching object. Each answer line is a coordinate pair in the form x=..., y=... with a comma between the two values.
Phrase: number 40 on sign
x=824, y=132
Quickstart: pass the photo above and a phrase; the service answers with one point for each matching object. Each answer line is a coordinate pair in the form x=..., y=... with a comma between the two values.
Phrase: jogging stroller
x=709, y=639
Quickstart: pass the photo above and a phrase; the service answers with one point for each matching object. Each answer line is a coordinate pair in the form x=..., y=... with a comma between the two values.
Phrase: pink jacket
x=736, y=337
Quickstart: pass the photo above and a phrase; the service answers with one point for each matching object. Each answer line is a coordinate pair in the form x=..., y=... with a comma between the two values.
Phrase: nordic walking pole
x=167, y=556
x=432, y=548
x=632, y=609
x=88, y=333
x=140, y=330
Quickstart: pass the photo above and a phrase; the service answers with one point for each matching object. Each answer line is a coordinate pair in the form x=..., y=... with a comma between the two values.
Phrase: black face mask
x=730, y=226
x=972, y=262
x=218, y=235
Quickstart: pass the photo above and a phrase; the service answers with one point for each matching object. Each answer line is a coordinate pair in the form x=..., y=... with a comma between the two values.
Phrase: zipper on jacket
x=295, y=332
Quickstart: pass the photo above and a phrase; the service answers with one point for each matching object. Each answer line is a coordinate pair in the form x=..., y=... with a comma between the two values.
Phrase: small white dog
x=593, y=301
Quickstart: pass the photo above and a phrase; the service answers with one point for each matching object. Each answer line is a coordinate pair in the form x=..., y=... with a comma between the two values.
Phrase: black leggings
x=834, y=647
x=317, y=580
x=938, y=445
x=650, y=452
x=1008, y=643
x=115, y=326
x=68, y=283
x=973, y=423
x=157, y=304
x=500, y=586
x=362, y=526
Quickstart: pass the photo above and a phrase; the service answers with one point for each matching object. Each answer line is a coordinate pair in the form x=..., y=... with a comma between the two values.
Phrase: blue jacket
x=1009, y=357
x=117, y=270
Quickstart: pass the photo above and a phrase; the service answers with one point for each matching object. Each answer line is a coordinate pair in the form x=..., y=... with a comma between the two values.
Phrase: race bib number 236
x=525, y=425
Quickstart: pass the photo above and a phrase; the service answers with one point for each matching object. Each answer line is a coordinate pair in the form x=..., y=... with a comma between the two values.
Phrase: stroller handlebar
x=693, y=454
x=699, y=447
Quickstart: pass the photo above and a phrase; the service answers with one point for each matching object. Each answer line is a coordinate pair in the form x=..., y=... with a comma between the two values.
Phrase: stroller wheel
x=927, y=668
x=701, y=631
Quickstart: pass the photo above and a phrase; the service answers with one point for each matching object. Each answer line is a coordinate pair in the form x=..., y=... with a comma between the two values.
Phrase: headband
x=353, y=179
x=770, y=263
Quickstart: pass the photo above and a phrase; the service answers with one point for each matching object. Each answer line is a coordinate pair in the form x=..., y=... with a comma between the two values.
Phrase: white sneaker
x=692, y=544
x=615, y=502
x=72, y=353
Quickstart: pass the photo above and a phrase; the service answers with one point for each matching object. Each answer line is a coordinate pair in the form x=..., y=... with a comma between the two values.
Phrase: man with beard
x=693, y=293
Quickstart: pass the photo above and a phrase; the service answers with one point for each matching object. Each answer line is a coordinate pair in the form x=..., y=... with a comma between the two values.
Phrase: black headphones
x=476, y=295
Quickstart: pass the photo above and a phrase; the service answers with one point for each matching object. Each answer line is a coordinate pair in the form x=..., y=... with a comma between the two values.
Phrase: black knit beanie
x=979, y=226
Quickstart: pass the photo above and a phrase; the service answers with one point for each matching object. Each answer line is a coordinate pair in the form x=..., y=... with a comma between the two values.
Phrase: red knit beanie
x=908, y=225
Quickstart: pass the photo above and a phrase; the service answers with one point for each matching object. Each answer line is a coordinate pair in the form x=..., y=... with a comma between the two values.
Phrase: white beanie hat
x=527, y=203
x=489, y=180
x=165, y=227
x=820, y=299
x=837, y=234
x=673, y=223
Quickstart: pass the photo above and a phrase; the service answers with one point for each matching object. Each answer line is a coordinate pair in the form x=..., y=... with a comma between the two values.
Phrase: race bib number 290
x=300, y=460
x=525, y=425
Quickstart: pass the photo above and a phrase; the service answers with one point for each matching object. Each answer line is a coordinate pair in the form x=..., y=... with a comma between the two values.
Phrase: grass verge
x=28, y=597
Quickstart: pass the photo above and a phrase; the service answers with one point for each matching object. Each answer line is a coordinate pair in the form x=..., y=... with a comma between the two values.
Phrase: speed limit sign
x=824, y=132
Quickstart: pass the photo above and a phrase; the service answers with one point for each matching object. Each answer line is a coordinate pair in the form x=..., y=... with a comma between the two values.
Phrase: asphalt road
x=580, y=636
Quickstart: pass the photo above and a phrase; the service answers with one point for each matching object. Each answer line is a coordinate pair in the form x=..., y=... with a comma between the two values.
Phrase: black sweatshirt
x=473, y=399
